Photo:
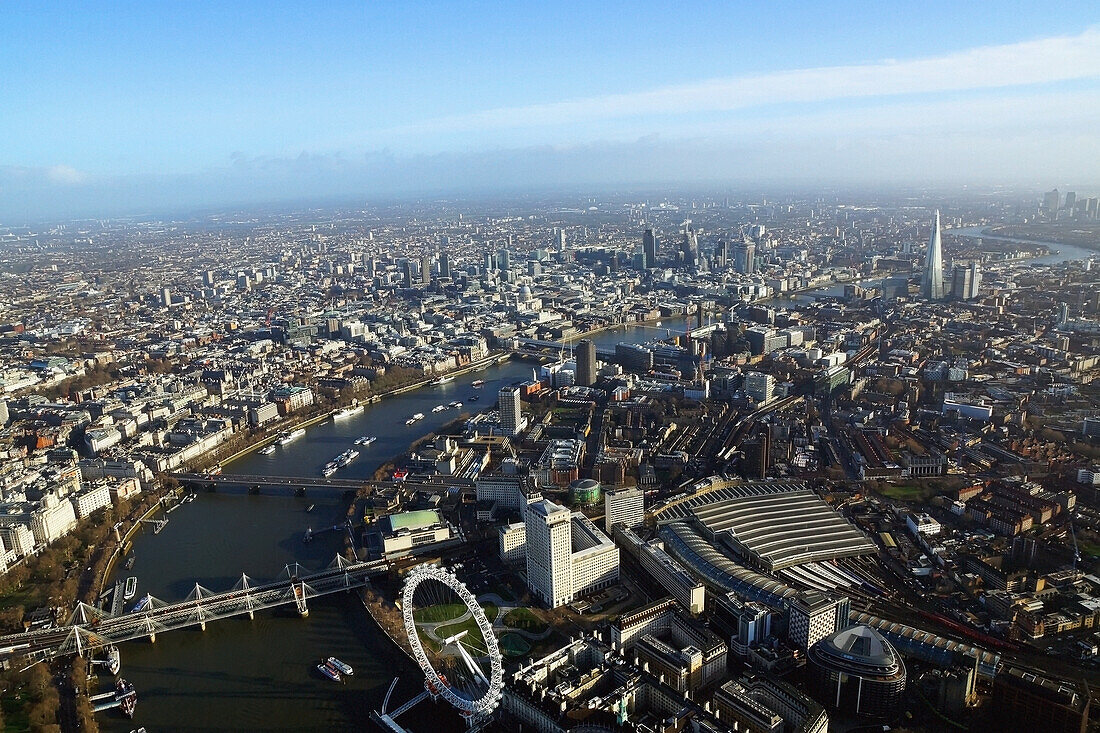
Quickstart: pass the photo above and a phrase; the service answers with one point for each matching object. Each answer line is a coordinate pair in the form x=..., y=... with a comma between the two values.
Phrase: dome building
x=857, y=671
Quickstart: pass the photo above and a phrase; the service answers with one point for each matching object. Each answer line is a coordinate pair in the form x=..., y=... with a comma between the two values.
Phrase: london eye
x=453, y=641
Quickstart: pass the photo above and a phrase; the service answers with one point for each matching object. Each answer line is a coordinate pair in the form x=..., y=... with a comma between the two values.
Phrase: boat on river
x=341, y=667
x=293, y=435
x=131, y=588
x=477, y=382
x=126, y=696
x=267, y=450
x=329, y=671
x=347, y=412
x=443, y=380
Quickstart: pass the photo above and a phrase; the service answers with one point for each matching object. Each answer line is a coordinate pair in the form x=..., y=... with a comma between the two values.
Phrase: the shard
x=932, y=283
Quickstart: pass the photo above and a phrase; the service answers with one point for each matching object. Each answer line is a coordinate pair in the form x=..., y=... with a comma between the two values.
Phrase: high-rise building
x=623, y=506
x=567, y=556
x=426, y=269
x=504, y=259
x=586, y=363
x=1030, y=700
x=1071, y=200
x=759, y=386
x=445, y=265
x=690, y=247
x=490, y=263
x=964, y=281
x=561, y=240
x=932, y=282
x=744, y=257
x=649, y=248
x=166, y=297
x=549, y=546
x=1050, y=201
x=408, y=267
x=510, y=415
x=812, y=616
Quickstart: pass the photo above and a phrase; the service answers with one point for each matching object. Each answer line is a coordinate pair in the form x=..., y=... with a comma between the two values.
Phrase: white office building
x=759, y=386
x=512, y=422
x=623, y=506
x=567, y=555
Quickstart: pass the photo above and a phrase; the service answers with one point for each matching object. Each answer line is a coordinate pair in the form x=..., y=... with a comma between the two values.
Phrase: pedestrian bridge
x=91, y=628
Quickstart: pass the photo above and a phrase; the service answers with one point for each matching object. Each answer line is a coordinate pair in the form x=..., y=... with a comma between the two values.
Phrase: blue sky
x=118, y=106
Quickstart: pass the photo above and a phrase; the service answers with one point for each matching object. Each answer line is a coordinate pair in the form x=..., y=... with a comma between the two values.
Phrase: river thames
x=243, y=674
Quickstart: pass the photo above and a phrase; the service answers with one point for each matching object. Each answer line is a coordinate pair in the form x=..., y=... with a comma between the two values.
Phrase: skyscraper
x=426, y=269
x=744, y=257
x=690, y=247
x=549, y=550
x=586, y=363
x=964, y=281
x=932, y=282
x=445, y=265
x=623, y=506
x=649, y=248
x=510, y=415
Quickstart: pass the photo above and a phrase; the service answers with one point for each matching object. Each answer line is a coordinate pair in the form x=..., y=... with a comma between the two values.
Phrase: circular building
x=584, y=491
x=856, y=671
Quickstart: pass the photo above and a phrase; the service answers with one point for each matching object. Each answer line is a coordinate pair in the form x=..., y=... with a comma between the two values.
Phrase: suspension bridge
x=90, y=628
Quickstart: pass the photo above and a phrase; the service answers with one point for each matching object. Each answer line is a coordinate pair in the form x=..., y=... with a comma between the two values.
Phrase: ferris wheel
x=452, y=641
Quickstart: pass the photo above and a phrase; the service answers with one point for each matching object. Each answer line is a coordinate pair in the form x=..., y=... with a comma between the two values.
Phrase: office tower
x=504, y=259
x=567, y=556
x=964, y=281
x=445, y=264
x=623, y=506
x=561, y=240
x=1063, y=313
x=426, y=269
x=932, y=281
x=759, y=386
x=744, y=257
x=649, y=248
x=812, y=616
x=586, y=363
x=690, y=247
x=1071, y=199
x=510, y=416
x=3, y=413
x=408, y=267
x=534, y=268
x=165, y=297
x=490, y=262
x=1050, y=201
x=208, y=278
x=549, y=549
x=757, y=456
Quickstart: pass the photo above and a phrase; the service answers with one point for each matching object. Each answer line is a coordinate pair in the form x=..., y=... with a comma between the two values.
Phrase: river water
x=243, y=674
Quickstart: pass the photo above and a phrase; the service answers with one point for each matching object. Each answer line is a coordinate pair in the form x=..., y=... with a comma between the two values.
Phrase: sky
x=112, y=108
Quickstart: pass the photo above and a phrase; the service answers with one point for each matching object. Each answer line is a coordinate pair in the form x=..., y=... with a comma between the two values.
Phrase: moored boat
x=287, y=437
x=131, y=588
x=267, y=450
x=341, y=667
x=329, y=671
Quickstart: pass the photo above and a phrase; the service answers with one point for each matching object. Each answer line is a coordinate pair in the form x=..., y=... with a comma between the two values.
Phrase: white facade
x=921, y=523
x=759, y=386
x=567, y=555
x=511, y=420
x=90, y=499
x=623, y=506
x=52, y=520
x=513, y=542
x=549, y=553
x=17, y=538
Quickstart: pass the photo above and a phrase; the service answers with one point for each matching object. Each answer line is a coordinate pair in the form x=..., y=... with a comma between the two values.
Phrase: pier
x=90, y=628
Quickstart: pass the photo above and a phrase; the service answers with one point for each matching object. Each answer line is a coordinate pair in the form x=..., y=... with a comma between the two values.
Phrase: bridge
x=297, y=483
x=91, y=628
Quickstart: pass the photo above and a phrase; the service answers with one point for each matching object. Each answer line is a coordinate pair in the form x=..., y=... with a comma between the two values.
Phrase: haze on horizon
x=120, y=109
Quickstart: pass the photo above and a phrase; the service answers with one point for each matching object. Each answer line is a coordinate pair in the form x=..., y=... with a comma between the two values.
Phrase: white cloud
x=1041, y=61
x=65, y=175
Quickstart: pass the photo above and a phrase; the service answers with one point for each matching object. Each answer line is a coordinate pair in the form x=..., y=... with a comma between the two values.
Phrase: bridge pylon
x=299, y=590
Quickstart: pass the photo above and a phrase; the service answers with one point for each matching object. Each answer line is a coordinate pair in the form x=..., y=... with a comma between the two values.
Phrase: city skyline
x=158, y=109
